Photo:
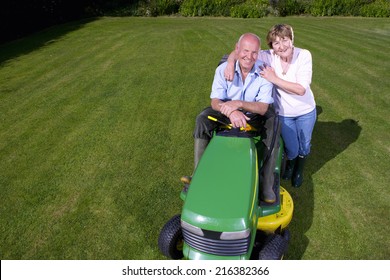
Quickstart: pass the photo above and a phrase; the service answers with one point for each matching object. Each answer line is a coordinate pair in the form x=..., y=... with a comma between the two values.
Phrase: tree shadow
x=25, y=45
x=329, y=139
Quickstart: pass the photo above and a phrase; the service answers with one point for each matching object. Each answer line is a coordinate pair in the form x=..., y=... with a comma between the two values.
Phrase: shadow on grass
x=23, y=46
x=329, y=140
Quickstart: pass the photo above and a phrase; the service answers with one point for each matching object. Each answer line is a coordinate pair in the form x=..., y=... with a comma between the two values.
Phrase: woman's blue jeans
x=297, y=133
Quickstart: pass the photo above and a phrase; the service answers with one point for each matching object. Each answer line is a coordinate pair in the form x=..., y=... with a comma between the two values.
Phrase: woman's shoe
x=288, y=172
x=297, y=177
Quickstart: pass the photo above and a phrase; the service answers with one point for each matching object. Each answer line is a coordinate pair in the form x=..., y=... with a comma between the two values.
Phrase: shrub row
x=367, y=8
x=254, y=8
x=21, y=17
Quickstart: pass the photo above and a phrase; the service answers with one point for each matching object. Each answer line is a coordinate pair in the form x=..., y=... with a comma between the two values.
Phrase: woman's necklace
x=285, y=66
x=286, y=63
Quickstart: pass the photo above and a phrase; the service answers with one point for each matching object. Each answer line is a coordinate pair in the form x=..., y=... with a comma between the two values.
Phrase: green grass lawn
x=96, y=123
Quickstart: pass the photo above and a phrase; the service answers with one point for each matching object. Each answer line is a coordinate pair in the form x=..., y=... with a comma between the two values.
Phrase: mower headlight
x=234, y=235
x=195, y=230
x=229, y=235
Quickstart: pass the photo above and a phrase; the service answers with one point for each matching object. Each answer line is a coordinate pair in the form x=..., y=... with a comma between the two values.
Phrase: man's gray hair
x=249, y=34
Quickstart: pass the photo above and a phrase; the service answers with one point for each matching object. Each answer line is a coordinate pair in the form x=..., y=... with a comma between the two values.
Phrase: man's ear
x=236, y=49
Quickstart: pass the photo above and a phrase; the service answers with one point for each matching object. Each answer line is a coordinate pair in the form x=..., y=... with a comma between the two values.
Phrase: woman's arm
x=229, y=70
x=303, y=74
x=269, y=74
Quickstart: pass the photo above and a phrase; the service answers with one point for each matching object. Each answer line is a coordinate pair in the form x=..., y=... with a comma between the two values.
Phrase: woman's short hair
x=281, y=31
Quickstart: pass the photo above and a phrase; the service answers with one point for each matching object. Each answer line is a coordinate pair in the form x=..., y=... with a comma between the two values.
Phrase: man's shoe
x=186, y=180
x=268, y=196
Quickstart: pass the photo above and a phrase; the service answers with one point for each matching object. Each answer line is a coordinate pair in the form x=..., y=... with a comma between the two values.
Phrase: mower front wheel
x=275, y=246
x=170, y=240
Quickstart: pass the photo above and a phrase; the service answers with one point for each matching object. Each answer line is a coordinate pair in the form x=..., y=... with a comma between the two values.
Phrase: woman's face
x=282, y=46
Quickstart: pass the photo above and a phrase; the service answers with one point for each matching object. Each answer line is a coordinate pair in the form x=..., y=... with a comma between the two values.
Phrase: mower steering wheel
x=229, y=126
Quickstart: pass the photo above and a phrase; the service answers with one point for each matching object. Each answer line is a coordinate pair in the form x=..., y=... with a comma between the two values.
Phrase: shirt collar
x=255, y=69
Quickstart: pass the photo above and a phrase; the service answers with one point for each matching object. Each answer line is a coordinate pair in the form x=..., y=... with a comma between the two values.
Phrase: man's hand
x=238, y=119
x=227, y=108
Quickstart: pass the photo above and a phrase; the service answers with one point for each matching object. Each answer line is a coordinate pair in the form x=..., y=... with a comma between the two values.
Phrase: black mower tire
x=283, y=164
x=170, y=239
x=275, y=247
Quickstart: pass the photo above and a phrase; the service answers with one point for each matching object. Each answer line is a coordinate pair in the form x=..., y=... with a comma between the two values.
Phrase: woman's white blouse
x=300, y=71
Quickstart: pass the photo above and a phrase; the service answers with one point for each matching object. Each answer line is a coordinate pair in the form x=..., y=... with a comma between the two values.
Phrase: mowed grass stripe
x=353, y=67
x=347, y=89
x=96, y=130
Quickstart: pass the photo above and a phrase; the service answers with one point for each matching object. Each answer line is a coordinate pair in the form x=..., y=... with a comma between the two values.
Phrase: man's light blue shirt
x=255, y=88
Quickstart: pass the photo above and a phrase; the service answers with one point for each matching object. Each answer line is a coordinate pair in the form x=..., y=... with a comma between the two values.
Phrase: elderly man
x=244, y=100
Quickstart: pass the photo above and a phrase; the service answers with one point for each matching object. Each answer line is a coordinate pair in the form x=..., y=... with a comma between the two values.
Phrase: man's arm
x=216, y=104
x=229, y=107
x=232, y=109
x=255, y=107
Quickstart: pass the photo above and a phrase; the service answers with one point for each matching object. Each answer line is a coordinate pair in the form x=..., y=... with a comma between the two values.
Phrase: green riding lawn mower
x=223, y=216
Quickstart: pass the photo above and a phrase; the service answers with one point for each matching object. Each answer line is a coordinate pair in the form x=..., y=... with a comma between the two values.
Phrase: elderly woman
x=290, y=70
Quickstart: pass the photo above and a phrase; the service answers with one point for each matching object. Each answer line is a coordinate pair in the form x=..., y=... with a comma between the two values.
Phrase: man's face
x=248, y=51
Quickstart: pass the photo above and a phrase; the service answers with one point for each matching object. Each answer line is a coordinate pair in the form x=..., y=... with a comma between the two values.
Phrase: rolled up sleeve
x=304, y=71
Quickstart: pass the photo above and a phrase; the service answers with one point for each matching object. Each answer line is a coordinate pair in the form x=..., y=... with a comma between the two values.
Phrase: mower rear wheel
x=170, y=240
